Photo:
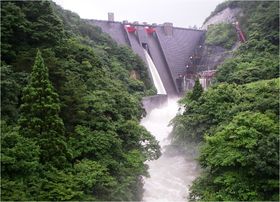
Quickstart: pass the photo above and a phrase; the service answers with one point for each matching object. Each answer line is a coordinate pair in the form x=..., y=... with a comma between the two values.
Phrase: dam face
x=170, y=48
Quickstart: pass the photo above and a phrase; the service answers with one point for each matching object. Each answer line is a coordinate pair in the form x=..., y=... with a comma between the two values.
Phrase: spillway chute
x=155, y=75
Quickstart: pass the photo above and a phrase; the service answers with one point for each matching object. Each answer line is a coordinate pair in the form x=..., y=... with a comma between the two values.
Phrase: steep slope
x=237, y=120
x=99, y=85
x=259, y=23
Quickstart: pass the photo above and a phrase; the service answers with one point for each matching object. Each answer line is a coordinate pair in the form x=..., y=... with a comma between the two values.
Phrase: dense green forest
x=236, y=121
x=70, y=109
x=71, y=106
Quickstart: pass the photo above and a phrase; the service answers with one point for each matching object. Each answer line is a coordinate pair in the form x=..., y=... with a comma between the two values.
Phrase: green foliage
x=10, y=91
x=39, y=115
x=197, y=91
x=221, y=35
x=93, y=180
x=100, y=153
x=94, y=144
x=19, y=160
x=261, y=20
x=219, y=104
x=200, y=116
x=21, y=26
x=73, y=90
x=236, y=121
x=20, y=155
x=249, y=67
x=57, y=185
x=46, y=27
x=13, y=23
x=242, y=159
x=135, y=136
x=240, y=126
x=258, y=57
x=13, y=190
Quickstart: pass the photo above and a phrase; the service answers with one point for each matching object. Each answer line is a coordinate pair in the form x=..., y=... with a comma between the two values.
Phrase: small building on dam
x=173, y=50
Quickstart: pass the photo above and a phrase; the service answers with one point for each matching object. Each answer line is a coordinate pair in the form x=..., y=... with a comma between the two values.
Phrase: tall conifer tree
x=40, y=115
x=197, y=90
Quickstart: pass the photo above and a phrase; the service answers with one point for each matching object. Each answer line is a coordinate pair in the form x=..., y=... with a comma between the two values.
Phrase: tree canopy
x=71, y=124
x=236, y=121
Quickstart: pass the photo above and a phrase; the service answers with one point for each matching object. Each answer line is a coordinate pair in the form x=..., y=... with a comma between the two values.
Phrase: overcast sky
x=182, y=13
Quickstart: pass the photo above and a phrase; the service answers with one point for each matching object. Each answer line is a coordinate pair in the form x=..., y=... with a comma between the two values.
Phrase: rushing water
x=156, y=78
x=171, y=174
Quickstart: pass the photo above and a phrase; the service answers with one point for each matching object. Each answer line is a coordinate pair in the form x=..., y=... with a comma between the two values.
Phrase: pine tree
x=40, y=119
x=197, y=90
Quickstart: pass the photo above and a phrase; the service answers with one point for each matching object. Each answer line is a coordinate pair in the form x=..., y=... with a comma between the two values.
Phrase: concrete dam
x=170, y=48
x=172, y=55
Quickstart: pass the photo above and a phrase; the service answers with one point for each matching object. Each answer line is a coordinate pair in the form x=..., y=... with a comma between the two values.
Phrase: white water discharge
x=171, y=174
x=203, y=83
x=156, y=78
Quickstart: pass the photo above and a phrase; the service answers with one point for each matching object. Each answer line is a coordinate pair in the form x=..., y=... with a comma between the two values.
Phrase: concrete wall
x=178, y=48
x=169, y=47
x=161, y=64
x=114, y=29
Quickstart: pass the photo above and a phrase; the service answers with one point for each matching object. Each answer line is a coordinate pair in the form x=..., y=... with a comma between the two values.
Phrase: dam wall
x=169, y=47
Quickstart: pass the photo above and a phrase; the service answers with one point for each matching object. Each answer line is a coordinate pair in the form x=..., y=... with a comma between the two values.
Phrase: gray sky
x=182, y=13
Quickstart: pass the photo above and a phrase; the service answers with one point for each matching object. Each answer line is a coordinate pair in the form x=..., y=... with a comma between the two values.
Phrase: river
x=172, y=173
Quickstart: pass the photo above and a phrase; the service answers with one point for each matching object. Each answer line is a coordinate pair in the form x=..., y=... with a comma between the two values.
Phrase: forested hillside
x=236, y=121
x=70, y=109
